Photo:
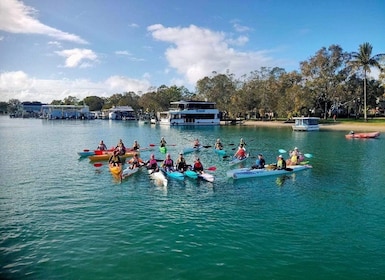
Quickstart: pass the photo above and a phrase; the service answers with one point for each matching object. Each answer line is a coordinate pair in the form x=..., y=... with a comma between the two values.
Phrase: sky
x=50, y=50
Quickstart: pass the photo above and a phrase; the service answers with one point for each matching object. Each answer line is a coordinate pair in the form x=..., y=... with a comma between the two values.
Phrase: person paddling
x=198, y=166
x=115, y=159
x=168, y=163
x=135, y=161
x=241, y=153
x=101, y=146
x=218, y=144
x=281, y=163
x=259, y=163
x=152, y=164
x=181, y=163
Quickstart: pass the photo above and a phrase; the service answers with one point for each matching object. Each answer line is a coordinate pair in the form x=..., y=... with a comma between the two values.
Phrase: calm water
x=62, y=218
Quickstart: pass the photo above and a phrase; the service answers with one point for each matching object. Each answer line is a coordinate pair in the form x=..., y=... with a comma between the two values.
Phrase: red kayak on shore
x=352, y=134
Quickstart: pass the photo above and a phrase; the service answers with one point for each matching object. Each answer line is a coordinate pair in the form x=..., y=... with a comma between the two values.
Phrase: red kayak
x=352, y=134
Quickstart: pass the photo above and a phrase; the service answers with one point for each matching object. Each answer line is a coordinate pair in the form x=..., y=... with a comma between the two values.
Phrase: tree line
x=330, y=82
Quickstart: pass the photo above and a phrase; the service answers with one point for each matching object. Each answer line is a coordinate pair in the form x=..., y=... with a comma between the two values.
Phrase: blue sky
x=52, y=49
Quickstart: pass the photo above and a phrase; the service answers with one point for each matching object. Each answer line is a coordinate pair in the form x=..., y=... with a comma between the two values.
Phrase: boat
x=86, y=153
x=236, y=160
x=122, y=113
x=116, y=170
x=188, y=150
x=129, y=171
x=306, y=124
x=190, y=113
x=107, y=155
x=353, y=134
x=173, y=174
x=158, y=177
x=163, y=149
x=220, y=152
x=252, y=173
x=195, y=175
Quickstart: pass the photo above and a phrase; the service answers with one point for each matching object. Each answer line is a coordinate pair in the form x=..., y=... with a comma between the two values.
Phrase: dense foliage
x=332, y=82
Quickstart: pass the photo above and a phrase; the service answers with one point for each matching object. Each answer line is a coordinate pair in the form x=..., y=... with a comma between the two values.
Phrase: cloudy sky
x=53, y=49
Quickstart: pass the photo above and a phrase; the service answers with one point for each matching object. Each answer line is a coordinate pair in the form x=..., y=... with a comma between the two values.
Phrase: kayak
x=267, y=172
x=220, y=152
x=158, y=178
x=163, y=150
x=129, y=171
x=191, y=149
x=237, y=160
x=174, y=174
x=194, y=175
x=107, y=156
x=115, y=169
x=86, y=153
x=363, y=135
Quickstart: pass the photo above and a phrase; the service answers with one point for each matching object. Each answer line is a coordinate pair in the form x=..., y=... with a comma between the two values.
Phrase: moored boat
x=353, y=134
x=252, y=173
x=306, y=124
x=190, y=113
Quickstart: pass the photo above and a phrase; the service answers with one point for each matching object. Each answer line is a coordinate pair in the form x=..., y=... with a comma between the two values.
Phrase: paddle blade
x=152, y=145
x=208, y=146
x=98, y=164
x=85, y=150
x=212, y=168
x=282, y=151
x=308, y=155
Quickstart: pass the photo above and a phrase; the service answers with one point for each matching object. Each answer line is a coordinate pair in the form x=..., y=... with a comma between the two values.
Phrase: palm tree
x=363, y=60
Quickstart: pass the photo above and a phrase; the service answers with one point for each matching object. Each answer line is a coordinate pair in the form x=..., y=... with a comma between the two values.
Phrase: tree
x=323, y=74
x=95, y=103
x=363, y=60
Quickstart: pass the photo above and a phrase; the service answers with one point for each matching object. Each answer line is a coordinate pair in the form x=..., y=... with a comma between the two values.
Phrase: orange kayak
x=107, y=156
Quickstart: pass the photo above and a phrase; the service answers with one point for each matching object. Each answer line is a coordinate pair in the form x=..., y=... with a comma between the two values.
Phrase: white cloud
x=197, y=52
x=18, y=85
x=15, y=17
x=78, y=57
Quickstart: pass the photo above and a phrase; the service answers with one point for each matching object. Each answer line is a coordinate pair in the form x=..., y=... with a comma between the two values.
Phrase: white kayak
x=252, y=173
x=129, y=171
x=191, y=149
x=205, y=176
x=158, y=177
x=237, y=160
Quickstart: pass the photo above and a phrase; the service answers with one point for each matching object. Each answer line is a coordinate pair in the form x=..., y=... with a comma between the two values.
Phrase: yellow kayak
x=116, y=170
x=108, y=155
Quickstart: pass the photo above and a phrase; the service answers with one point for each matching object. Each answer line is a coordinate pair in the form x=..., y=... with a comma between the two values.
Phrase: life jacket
x=152, y=163
x=198, y=166
x=168, y=162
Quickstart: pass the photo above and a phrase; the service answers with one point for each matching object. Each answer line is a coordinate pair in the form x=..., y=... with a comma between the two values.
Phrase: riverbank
x=342, y=126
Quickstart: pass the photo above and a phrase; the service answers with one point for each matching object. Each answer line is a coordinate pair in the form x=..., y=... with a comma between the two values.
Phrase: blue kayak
x=174, y=174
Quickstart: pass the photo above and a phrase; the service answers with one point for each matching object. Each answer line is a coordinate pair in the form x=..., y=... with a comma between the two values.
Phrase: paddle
x=211, y=168
x=98, y=164
x=86, y=150
x=208, y=146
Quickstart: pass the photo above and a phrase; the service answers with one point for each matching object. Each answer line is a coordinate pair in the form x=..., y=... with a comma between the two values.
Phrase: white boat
x=158, y=177
x=306, y=124
x=236, y=160
x=122, y=113
x=129, y=171
x=190, y=113
x=251, y=173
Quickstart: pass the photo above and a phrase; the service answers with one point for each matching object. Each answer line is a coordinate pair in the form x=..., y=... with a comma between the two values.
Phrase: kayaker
x=120, y=148
x=135, y=161
x=281, y=163
x=218, y=145
x=181, y=163
x=241, y=153
x=295, y=157
x=163, y=142
x=196, y=143
x=152, y=163
x=135, y=146
x=198, y=167
x=101, y=146
x=115, y=159
x=259, y=163
x=242, y=142
x=168, y=163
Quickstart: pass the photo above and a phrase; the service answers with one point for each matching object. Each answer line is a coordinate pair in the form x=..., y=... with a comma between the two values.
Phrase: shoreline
x=359, y=127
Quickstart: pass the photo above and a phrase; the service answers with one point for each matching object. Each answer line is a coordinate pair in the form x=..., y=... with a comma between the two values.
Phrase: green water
x=62, y=218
